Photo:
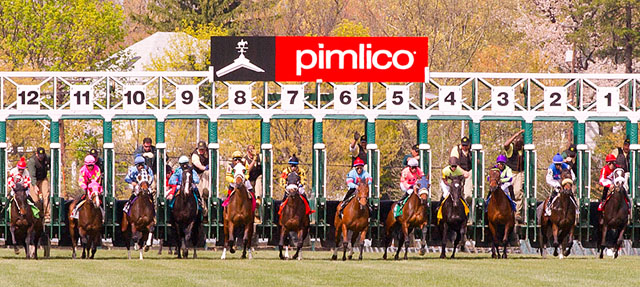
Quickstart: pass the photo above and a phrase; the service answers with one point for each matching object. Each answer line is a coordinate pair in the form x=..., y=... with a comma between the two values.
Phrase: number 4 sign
x=450, y=98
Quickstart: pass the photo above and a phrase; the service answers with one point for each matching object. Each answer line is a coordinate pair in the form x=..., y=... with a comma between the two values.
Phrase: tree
x=58, y=35
x=168, y=15
x=608, y=29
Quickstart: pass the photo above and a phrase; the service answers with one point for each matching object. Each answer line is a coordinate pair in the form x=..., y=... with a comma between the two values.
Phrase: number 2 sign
x=555, y=99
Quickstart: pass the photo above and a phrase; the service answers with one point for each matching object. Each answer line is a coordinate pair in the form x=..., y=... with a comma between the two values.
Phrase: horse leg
x=542, y=240
x=178, y=240
x=400, y=243
x=26, y=243
x=443, y=253
x=423, y=240
x=299, y=243
x=226, y=240
x=149, y=242
x=249, y=239
x=94, y=244
x=363, y=235
x=554, y=228
x=505, y=240
x=494, y=249
x=245, y=240
x=143, y=235
x=232, y=237
x=16, y=250
x=335, y=250
x=405, y=233
x=354, y=237
x=283, y=231
x=603, y=240
x=345, y=241
x=567, y=250
x=619, y=240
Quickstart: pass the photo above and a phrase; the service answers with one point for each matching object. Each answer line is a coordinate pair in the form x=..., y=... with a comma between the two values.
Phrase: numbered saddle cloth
x=439, y=215
x=513, y=203
x=397, y=210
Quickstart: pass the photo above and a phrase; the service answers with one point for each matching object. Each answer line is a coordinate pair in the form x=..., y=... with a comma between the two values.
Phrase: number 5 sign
x=397, y=98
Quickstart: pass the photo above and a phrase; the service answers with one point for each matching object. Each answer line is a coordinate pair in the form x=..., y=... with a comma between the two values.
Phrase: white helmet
x=412, y=162
x=183, y=159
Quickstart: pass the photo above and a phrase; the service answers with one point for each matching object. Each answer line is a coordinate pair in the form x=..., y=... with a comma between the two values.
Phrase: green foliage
x=348, y=28
x=168, y=15
x=58, y=35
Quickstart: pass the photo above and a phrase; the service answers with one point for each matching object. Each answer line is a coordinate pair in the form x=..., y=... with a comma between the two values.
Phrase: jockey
x=230, y=175
x=89, y=173
x=506, y=175
x=293, y=183
x=176, y=179
x=409, y=176
x=447, y=173
x=606, y=178
x=132, y=178
x=554, y=178
x=354, y=177
x=293, y=167
x=19, y=174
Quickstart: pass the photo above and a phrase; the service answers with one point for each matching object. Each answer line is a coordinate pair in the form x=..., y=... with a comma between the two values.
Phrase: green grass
x=111, y=268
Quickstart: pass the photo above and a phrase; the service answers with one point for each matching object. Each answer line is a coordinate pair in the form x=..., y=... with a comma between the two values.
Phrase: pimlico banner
x=328, y=59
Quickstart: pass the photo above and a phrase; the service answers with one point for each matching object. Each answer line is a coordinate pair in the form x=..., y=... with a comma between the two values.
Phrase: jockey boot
x=513, y=197
x=128, y=204
x=603, y=199
x=404, y=196
x=553, y=195
x=344, y=200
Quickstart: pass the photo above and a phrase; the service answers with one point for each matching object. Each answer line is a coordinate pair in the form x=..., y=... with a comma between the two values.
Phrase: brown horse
x=560, y=225
x=500, y=215
x=615, y=215
x=139, y=224
x=237, y=214
x=355, y=218
x=453, y=225
x=88, y=226
x=414, y=215
x=25, y=228
x=184, y=216
x=293, y=222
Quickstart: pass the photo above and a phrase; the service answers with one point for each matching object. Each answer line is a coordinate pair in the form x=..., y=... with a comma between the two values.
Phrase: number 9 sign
x=28, y=98
x=345, y=98
x=240, y=97
x=397, y=98
x=187, y=97
x=608, y=100
x=502, y=99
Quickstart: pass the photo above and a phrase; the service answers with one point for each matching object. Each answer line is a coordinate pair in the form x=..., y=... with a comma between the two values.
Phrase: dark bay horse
x=26, y=229
x=414, y=215
x=139, y=224
x=355, y=218
x=293, y=222
x=615, y=215
x=499, y=215
x=237, y=214
x=453, y=225
x=185, y=220
x=88, y=226
x=558, y=227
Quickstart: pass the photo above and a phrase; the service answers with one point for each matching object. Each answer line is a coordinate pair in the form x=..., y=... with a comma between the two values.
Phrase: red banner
x=351, y=59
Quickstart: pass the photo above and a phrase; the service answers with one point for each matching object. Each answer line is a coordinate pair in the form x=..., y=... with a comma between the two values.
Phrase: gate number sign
x=28, y=98
x=134, y=97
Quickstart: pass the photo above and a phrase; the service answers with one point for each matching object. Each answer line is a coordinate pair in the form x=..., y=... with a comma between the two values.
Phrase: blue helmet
x=138, y=160
x=557, y=158
x=294, y=160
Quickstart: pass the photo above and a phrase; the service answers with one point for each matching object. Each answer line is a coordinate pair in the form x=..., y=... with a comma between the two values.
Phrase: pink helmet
x=89, y=160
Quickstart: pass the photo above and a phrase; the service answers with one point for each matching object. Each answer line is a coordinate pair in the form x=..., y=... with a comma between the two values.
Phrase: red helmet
x=22, y=164
x=610, y=158
x=358, y=162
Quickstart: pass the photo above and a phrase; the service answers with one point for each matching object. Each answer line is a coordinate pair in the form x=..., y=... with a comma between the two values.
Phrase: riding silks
x=439, y=216
x=173, y=200
x=513, y=203
x=397, y=210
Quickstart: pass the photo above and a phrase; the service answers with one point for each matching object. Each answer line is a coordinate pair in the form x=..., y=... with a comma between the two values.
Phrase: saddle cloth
x=439, y=215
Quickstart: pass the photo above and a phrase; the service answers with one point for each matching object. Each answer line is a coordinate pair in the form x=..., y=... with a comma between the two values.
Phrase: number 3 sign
x=502, y=99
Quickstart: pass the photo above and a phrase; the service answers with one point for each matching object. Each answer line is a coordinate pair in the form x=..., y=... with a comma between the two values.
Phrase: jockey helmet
x=453, y=161
x=501, y=159
x=557, y=158
x=236, y=154
x=412, y=162
x=358, y=162
x=138, y=160
x=89, y=160
x=567, y=180
x=183, y=159
x=610, y=158
x=22, y=164
x=293, y=160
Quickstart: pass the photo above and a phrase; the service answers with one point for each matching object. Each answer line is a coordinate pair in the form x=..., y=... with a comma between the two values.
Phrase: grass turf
x=111, y=268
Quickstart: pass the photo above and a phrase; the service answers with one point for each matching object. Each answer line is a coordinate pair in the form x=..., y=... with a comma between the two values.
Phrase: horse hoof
x=243, y=257
x=422, y=252
x=504, y=256
x=396, y=257
x=350, y=257
x=555, y=253
x=494, y=255
x=281, y=257
x=334, y=257
x=232, y=250
x=561, y=256
x=146, y=248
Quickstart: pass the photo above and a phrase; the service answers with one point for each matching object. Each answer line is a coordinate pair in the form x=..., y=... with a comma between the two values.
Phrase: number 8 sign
x=345, y=98
x=187, y=97
x=240, y=97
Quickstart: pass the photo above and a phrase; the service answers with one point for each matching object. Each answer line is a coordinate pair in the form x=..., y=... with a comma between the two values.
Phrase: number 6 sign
x=345, y=98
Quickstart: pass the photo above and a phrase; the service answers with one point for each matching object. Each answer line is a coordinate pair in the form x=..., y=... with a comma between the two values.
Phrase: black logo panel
x=243, y=58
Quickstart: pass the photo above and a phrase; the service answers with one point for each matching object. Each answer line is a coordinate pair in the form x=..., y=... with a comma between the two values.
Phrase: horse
x=414, y=215
x=88, y=226
x=25, y=228
x=615, y=214
x=355, y=218
x=453, y=225
x=238, y=214
x=139, y=224
x=560, y=225
x=185, y=219
x=293, y=221
x=500, y=215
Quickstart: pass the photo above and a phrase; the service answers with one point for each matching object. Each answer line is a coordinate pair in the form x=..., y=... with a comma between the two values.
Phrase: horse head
x=93, y=190
x=363, y=193
x=494, y=178
x=455, y=190
x=238, y=173
x=421, y=188
x=20, y=198
x=185, y=185
x=619, y=179
x=143, y=180
x=292, y=184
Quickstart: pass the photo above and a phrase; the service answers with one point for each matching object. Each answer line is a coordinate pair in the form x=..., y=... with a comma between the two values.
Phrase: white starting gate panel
x=240, y=97
x=134, y=98
x=81, y=97
x=28, y=98
x=292, y=97
x=397, y=98
x=345, y=98
x=502, y=99
x=187, y=97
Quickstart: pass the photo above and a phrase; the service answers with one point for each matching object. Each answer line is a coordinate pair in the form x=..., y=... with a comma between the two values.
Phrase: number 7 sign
x=292, y=98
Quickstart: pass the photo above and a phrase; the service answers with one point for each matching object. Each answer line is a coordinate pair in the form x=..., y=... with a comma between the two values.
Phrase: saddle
x=626, y=199
x=439, y=215
x=513, y=203
x=34, y=209
x=397, y=210
x=307, y=207
x=250, y=196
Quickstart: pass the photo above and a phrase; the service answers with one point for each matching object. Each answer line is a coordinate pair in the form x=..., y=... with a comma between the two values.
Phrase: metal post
x=582, y=184
x=4, y=216
x=425, y=163
x=530, y=204
x=318, y=199
x=373, y=169
x=632, y=134
x=268, y=206
x=109, y=177
x=57, y=202
x=477, y=195
x=161, y=146
x=214, y=202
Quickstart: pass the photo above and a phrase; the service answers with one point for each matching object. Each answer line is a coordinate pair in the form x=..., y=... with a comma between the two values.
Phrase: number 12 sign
x=28, y=98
